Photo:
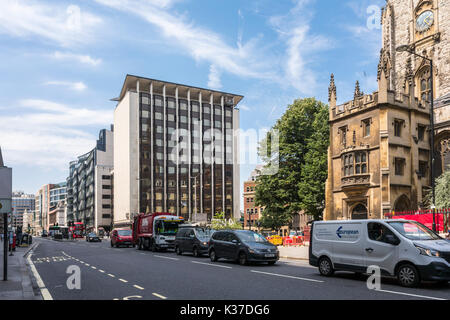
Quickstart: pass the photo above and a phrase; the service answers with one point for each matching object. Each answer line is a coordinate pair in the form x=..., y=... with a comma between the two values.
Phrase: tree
x=220, y=223
x=442, y=190
x=301, y=159
x=315, y=169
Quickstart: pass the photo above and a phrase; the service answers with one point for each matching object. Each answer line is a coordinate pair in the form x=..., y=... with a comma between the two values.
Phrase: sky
x=62, y=61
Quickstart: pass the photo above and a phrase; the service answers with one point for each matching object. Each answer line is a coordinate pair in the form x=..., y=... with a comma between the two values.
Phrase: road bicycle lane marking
x=44, y=291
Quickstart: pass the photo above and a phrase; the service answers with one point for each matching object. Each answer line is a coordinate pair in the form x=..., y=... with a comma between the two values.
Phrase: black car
x=243, y=246
x=92, y=237
x=192, y=239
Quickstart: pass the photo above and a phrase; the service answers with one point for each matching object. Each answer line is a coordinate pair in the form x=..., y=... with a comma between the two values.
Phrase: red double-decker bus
x=77, y=229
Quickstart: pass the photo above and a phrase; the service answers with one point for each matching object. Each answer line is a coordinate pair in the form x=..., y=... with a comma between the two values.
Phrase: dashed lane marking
x=285, y=276
x=212, y=265
x=410, y=294
x=123, y=280
x=159, y=296
x=166, y=257
x=138, y=287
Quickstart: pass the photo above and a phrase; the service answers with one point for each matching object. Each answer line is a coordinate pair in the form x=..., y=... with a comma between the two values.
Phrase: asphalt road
x=127, y=273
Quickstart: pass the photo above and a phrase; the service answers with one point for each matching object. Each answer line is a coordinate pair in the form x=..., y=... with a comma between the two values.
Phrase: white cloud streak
x=200, y=43
x=77, y=86
x=49, y=134
x=66, y=25
x=214, y=78
x=84, y=59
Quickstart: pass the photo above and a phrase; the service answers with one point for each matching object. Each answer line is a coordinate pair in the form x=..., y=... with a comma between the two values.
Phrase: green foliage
x=299, y=183
x=220, y=223
x=442, y=189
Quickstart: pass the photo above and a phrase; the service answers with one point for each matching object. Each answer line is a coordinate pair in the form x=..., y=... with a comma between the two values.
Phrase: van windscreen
x=413, y=230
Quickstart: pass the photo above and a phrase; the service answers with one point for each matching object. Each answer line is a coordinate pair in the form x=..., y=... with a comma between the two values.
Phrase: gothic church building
x=379, y=156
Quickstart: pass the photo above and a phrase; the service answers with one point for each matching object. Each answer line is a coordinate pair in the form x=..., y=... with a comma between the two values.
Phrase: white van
x=402, y=248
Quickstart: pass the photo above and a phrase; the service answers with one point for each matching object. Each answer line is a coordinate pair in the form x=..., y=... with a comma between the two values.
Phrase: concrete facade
x=163, y=150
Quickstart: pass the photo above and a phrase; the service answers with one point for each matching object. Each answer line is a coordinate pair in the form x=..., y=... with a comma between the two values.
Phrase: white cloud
x=77, y=86
x=49, y=134
x=244, y=107
x=294, y=29
x=85, y=59
x=201, y=44
x=214, y=78
x=65, y=25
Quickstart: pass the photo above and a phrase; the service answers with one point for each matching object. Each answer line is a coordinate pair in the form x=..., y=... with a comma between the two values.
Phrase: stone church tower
x=424, y=25
x=379, y=155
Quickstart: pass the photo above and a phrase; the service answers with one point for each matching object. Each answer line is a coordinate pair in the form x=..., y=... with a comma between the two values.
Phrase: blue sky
x=61, y=62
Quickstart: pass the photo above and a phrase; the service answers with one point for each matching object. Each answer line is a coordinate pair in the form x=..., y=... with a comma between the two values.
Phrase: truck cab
x=156, y=231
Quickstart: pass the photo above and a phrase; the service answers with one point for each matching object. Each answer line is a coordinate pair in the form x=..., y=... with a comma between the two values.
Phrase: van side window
x=378, y=232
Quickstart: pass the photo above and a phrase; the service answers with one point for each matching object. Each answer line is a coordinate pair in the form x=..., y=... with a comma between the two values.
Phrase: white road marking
x=138, y=287
x=213, y=265
x=44, y=291
x=123, y=280
x=111, y=275
x=159, y=296
x=101, y=271
x=87, y=265
x=410, y=294
x=285, y=276
x=166, y=257
x=93, y=267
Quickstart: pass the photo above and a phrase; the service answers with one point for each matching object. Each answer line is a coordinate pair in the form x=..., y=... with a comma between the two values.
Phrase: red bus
x=77, y=229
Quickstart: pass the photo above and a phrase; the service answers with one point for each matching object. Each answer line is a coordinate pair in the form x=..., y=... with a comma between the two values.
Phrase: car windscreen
x=124, y=232
x=249, y=236
x=92, y=234
x=204, y=233
x=166, y=227
x=413, y=230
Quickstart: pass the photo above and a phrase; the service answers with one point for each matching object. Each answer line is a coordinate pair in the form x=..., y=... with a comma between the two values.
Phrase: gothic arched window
x=424, y=79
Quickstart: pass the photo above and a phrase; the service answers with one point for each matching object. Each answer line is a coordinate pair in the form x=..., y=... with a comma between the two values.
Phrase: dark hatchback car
x=243, y=246
x=192, y=239
x=92, y=237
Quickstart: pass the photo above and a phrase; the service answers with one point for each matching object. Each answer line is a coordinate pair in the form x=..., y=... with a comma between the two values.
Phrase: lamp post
x=407, y=48
x=195, y=196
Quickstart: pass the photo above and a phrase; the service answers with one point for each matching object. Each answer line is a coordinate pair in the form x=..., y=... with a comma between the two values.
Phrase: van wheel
x=408, y=276
x=178, y=251
x=213, y=256
x=326, y=267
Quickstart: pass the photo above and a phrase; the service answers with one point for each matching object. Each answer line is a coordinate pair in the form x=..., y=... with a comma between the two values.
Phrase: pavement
x=294, y=253
x=95, y=271
x=20, y=284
